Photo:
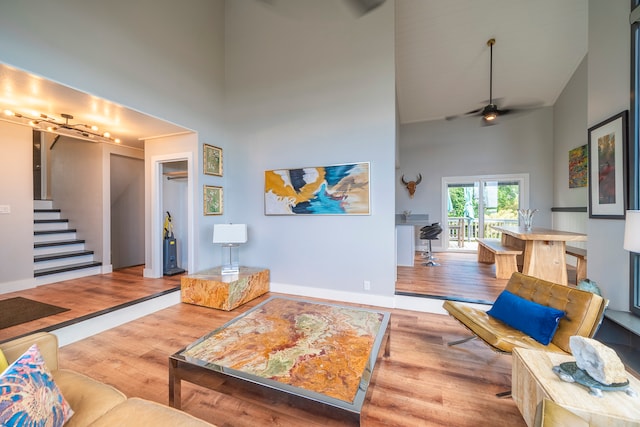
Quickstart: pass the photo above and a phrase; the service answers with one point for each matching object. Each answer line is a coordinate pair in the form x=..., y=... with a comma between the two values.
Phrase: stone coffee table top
x=323, y=348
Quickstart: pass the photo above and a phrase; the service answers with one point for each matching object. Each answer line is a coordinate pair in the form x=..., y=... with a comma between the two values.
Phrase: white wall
x=312, y=88
x=569, y=132
x=76, y=188
x=127, y=211
x=16, y=191
x=463, y=147
x=608, y=94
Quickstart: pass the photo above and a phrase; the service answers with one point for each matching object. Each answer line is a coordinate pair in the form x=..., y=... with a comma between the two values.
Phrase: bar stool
x=429, y=233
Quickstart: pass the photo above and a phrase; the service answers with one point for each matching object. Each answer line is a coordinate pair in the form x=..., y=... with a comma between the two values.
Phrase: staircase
x=57, y=252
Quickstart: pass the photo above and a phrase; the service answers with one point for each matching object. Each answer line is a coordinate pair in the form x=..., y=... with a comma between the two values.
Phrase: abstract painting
x=607, y=174
x=578, y=167
x=321, y=190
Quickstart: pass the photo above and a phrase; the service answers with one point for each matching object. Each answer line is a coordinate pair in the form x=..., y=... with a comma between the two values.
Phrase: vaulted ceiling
x=443, y=61
x=442, y=64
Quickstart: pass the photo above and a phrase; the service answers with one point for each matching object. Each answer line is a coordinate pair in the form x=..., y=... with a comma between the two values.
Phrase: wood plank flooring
x=423, y=383
x=460, y=277
x=87, y=296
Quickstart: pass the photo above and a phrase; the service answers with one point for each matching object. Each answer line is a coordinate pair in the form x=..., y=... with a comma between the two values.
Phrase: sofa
x=583, y=313
x=94, y=403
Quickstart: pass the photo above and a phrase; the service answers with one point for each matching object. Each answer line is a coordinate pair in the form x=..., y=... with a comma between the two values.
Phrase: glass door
x=501, y=204
x=474, y=204
x=463, y=205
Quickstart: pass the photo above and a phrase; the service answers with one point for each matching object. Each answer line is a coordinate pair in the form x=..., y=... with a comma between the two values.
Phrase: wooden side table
x=209, y=288
x=533, y=380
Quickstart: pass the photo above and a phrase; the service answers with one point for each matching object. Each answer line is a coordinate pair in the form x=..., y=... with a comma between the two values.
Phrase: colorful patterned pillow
x=28, y=395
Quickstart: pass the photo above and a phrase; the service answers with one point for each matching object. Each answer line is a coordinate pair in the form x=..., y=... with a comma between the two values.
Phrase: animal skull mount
x=411, y=185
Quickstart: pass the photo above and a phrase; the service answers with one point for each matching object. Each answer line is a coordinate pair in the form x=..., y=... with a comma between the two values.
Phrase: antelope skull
x=411, y=185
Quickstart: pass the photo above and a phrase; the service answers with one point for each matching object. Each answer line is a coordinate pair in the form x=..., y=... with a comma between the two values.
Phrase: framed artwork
x=212, y=200
x=321, y=190
x=607, y=170
x=212, y=160
x=578, y=167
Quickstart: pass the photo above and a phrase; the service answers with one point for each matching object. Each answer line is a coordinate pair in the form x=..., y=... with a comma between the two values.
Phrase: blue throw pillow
x=536, y=320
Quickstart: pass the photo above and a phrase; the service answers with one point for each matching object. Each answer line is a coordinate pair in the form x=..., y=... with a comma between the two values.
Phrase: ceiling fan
x=361, y=7
x=491, y=111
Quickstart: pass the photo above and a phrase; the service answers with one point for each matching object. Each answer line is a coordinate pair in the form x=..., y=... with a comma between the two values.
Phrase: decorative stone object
x=599, y=361
x=589, y=286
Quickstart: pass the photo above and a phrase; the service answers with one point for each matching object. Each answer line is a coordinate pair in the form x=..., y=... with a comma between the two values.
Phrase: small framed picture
x=212, y=160
x=212, y=200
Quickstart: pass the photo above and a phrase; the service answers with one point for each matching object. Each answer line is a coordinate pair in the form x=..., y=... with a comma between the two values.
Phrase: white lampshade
x=632, y=231
x=230, y=233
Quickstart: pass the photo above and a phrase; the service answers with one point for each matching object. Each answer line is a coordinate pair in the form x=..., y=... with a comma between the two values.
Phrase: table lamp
x=230, y=236
x=632, y=231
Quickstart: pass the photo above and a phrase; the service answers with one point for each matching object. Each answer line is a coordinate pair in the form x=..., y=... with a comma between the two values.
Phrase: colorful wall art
x=578, y=167
x=324, y=190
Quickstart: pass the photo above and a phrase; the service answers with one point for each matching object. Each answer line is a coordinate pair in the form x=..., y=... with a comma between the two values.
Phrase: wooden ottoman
x=209, y=288
x=533, y=380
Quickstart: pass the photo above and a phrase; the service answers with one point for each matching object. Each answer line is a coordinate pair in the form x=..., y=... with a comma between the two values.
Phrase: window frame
x=633, y=195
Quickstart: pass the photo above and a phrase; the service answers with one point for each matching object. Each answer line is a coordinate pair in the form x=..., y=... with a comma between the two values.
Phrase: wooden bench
x=491, y=251
x=581, y=261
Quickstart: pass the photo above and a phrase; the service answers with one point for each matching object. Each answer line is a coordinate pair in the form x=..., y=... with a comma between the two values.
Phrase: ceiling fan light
x=490, y=116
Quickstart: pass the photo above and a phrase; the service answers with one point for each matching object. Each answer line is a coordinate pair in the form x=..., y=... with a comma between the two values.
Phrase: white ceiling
x=442, y=59
x=442, y=65
x=31, y=96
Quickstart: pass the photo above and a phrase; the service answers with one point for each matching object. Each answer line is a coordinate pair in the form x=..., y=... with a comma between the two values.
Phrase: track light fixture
x=64, y=127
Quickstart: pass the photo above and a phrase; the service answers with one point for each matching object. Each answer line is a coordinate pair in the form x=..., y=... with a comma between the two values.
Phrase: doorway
x=473, y=205
x=127, y=211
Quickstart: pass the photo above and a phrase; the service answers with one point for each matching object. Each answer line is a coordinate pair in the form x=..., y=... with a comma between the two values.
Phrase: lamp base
x=229, y=269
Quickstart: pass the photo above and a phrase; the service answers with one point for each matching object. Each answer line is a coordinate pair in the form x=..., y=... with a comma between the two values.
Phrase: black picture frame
x=608, y=147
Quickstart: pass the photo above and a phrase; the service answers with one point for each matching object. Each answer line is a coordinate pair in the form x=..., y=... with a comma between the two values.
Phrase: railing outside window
x=463, y=230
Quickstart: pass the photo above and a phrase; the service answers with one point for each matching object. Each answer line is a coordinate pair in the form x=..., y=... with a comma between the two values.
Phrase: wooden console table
x=209, y=288
x=533, y=380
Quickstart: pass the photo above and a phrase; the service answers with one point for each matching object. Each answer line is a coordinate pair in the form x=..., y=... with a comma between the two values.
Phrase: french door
x=473, y=204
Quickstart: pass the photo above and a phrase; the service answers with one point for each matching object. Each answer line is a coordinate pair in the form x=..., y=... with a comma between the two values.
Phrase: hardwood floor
x=88, y=296
x=423, y=383
x=460, y=276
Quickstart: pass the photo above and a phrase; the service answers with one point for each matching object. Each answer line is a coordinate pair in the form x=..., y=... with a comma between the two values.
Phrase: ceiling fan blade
x=364, y=6
x=468, y=113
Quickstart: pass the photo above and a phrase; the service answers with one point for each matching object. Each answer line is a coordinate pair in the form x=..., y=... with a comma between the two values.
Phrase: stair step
x=60, y=255
x=43, y=204
x=58, y=243
x=46, y=214
x=72, y=267
x=41, y=232
x=50, y=221
x=46, y=210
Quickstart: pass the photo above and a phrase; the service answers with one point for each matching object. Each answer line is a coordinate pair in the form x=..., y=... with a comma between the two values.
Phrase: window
x=473, y=204
x=634, y=151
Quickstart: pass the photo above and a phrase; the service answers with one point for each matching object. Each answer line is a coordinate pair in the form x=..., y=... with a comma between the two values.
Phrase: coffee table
x=320, y=357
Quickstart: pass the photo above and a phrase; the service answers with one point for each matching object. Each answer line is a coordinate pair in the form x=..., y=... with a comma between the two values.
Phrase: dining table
x=543, y=250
